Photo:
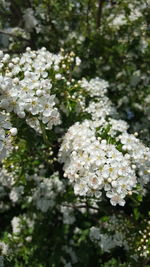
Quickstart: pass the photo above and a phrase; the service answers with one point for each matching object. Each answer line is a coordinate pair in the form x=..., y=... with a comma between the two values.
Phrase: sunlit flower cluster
x=95, y=162
x=26, y=89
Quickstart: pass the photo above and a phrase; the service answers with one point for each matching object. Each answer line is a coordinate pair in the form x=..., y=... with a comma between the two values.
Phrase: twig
x=45, y=137
x=80, y=206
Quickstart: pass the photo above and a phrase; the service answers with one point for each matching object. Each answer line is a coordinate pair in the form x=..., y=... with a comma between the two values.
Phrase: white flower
x=4, y=249
x=68, y=217
x=13, y=131
x=78, y=61
x=16, y=225
x=29, y=19
x=58, y=76
x=16, y=193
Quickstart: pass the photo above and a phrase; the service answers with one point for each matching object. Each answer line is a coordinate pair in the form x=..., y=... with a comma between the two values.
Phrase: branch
x=99, y=13
x=80, y=206
x=14, y=36
x=87, y=16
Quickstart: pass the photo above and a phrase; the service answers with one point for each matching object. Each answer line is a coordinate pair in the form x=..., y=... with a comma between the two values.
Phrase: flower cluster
x=45, y=191
x=123, y=18
x=29, y=20
x=26, y=89
x=105, y=241
x=101, y=109
x=116, y=231
x=99, y=105
x=68, y=214
x=96, y=160
x=6, y=134
x=95, y=87
x=143, y=242
x=42, y=194
x=34, y=85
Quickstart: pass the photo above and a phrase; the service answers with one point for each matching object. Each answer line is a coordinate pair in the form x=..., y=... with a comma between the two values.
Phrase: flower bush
x=74, y=133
